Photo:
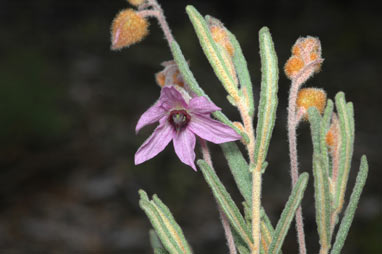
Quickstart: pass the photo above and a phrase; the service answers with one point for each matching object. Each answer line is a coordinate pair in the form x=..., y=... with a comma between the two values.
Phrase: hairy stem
x=256, y=204
x=223, y=217
x=256, y=174
x=292, y=125
x=157, y=12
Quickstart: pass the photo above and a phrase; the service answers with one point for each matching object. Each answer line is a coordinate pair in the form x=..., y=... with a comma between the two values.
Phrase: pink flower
x=180, y=120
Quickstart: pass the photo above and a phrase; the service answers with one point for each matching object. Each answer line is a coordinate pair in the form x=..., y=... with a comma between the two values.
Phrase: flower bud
x=311, y=97
x=304, y=52
x=136, y=2
x=127, y=28
x=293, y=66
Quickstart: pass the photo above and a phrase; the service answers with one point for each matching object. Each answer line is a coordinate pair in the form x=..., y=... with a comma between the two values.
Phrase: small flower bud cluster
x=311, y=97
x=304, y=52
x=128, y=27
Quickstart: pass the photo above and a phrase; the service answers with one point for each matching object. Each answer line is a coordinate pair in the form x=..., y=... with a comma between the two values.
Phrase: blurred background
x=68, y=109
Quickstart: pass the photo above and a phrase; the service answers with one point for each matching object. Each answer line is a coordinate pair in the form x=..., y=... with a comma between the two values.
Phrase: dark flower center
x=179, y=119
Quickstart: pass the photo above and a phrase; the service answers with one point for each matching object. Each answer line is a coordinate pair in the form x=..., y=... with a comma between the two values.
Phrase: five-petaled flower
x=180, y=119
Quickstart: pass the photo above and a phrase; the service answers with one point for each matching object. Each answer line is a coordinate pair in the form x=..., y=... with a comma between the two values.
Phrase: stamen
x=179, y=119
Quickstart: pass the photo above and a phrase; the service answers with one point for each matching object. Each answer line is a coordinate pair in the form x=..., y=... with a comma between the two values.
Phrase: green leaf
x=352, y=206
x=164, y=224
x=226, y=203
x=211, y=50
x=239, y=169
x=242, y=249
x=194, y=86
x=321, y=180
x=160, y=251
x=267, y=231
x=325, y=125
x=287, y=214
x=156, y=244
x=346, y=120
x=268, y=96
x=242, y=72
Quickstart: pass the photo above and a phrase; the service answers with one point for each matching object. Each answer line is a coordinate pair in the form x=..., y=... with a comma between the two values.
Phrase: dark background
x=68, y=109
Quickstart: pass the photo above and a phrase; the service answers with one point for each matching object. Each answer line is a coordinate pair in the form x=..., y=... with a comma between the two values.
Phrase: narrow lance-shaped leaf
x=211, y=50
x=156, y=244
x=352, y=206
x=239, y=169
x=287, y=214
x=268, y=96
x=325, y=125
x=267, y=232
x=194, y=86
x=159, y=227
x=321, y=181
x=226, y=203
x=243, y=73
x=171, y=223
x=346, y=149
x=165, y=226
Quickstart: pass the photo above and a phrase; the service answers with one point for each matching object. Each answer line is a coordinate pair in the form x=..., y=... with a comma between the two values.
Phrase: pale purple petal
x=152, y=115
x=171, y=98
x=184, y=145
x=202, y=105
x=212, y=130
x=155, y=144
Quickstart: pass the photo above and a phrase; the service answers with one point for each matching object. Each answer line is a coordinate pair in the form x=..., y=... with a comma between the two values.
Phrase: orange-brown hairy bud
x=136, y=2
x=304, y=52
x=293, y=66
x=311, y=97
x=127, y=28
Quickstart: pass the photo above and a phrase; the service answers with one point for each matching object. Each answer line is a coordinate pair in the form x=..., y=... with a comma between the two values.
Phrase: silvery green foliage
x=167, y=236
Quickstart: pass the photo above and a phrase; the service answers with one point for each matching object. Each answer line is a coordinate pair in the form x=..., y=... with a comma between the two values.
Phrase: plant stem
x=292, y=125
x=157, y=12
x=223, y=217
x=256, y=174
x=256, y=204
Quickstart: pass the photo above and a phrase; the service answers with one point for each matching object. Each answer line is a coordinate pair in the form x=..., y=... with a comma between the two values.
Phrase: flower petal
x=202, y=105
x=184, y=145
x=155, y=144
x=212, y=130
x=152, y=115
x=171, y=98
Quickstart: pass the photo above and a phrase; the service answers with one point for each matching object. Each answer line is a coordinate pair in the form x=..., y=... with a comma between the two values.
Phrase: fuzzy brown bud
x=136, y=2
x=128, y=27
x=311, y=97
